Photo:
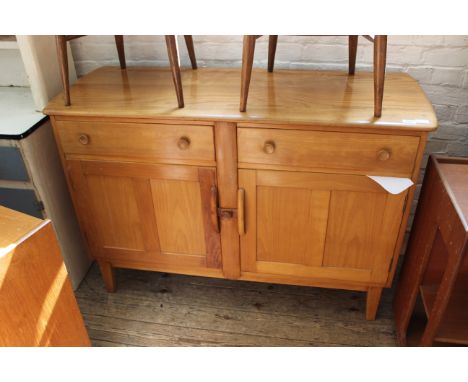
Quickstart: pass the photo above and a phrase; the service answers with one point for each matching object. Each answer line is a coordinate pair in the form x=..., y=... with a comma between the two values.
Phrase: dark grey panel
x=11, y=164
x=21, y=200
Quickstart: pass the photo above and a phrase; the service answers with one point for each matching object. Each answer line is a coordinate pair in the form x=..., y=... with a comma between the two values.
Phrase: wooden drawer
x=361, y=153
x=137, y=141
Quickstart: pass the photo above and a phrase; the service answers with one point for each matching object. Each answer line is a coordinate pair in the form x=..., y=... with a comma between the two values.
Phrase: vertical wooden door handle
x=240, y=210
x=214, y=208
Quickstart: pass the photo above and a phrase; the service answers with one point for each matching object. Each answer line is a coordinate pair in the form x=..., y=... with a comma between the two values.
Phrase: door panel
x=156, y=214
x=179, y=216
x=353, y=226
x=115, y=210
x=284, y=228
x=332, y=226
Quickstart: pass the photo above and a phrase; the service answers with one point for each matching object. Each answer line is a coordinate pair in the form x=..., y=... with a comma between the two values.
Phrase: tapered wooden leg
x=62, y=56
x=173, y=52
x=272, y=42
x=191, y=50
x=247, y=63
x=373, y=300
x=119, y=42
x=352, y=46
x=107, y=272
x=380, y=59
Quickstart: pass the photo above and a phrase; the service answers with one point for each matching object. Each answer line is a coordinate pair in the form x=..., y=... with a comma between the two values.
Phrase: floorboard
x=159, y=309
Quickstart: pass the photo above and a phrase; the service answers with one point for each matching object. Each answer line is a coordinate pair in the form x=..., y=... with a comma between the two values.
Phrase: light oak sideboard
x=277, y=194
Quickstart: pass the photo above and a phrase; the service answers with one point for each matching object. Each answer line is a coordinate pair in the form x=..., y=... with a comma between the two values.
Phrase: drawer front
x=352, y=152
x=149, y=142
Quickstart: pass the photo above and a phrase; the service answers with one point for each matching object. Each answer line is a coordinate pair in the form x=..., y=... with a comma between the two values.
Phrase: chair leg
x=173, y=53
x=247, y=63
x=119, y=42
x=62, y=56
x=353, y=44
x=380, y=59
x=191, y=50
x=272, y=42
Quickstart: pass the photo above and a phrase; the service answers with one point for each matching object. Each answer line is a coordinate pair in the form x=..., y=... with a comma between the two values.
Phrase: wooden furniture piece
x=436, y=263
x=172, y=52
x=380, y=54
x=38, y=307
x=31, y=178
x=279, y=194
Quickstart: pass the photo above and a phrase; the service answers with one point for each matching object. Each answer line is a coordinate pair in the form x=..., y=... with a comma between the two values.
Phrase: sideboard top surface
x=320, y=98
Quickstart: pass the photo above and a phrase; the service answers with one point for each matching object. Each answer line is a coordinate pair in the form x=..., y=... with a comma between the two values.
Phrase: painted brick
x=458, y=149
x=456, y=41
x=325, y=53
x=421, y=73
x=445, y=112
x=465, y=80
x=457, y=57
x=461, y=116
x=446, y=76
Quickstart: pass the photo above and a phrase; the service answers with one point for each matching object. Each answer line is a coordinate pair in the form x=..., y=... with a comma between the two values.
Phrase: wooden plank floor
x=158, y=309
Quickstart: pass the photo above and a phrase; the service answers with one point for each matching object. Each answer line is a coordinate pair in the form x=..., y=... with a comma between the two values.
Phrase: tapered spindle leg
x=191, y=50
x=272, y=42
x=119, y=42
x=353, y=44
x=247, y=63
x=173, y=53
x=62, y=56
x=380, y=58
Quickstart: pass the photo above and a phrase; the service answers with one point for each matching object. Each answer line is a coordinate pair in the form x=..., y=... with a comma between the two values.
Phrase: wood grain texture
x=329, y=228
x=149, y=215
x=113, y=202
x=380, y=61
x=435, y=266
x=291, y=225
x=174, y=60
x=179, y=216
x=226, y=169
x=272, y=43
x=353, y=229
x=191, y=50
x=38, y=304
x=157, y=309
x=372, y=304
x=148, y=141
x=352, y=48
x=358, y=153
x=207, y=179
x=108, y=275
x=307, y=97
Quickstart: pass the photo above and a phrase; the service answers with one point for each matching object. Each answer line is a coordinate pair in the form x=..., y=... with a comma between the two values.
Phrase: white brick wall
x=439, y=63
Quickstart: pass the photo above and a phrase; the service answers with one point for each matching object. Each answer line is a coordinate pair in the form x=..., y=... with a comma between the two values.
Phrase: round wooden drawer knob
x=183, y=143
x=384, y=154
x=84, y=139
x=269, y=147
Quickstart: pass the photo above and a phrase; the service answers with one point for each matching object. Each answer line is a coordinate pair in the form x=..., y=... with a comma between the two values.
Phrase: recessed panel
x=114, y=207
x=179, y=219
x=354, y=225
x=291, y=225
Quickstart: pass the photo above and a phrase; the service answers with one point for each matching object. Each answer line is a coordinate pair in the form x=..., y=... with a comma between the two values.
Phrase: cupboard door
x=323, y=226
x=144, y=213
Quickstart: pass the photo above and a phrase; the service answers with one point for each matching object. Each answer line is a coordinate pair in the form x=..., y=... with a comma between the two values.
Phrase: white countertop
x=17, y=111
